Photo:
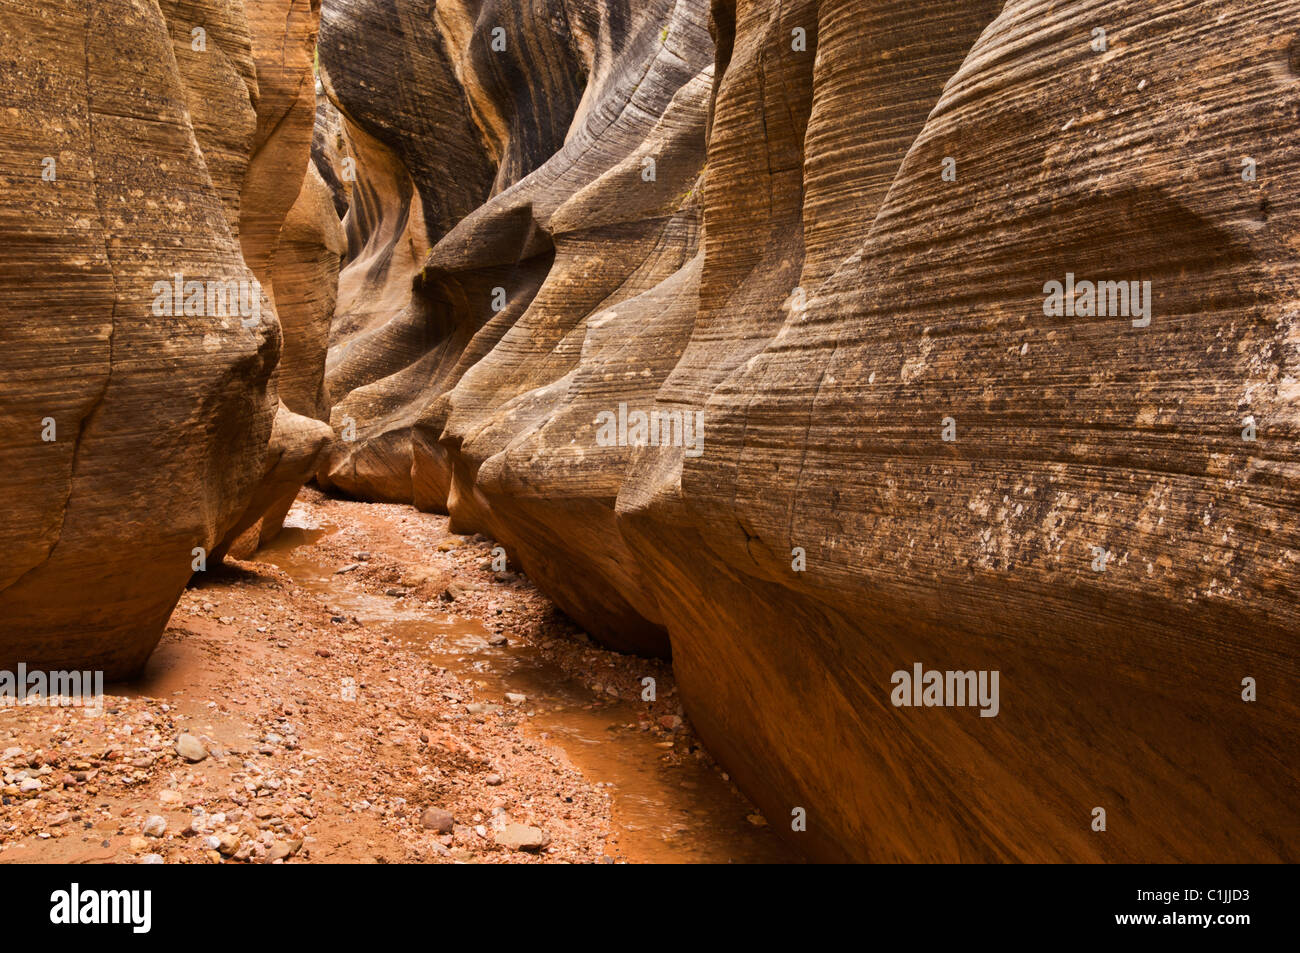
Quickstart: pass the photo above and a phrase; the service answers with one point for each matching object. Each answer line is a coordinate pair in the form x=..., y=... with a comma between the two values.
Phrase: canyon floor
x=368, y=689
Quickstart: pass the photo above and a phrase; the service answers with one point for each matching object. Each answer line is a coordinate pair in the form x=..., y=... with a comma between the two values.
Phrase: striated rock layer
x=140, y=142
x=824, y=233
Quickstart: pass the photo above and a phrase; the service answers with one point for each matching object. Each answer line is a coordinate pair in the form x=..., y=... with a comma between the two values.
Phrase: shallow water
x=661, y=812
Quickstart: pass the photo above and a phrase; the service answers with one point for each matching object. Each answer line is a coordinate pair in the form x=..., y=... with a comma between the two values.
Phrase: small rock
x=152, y=859
x=348, y=568
x=29, y=786
x=492, y=780
x=498, y=639
x=155, y=826
x=190, y=748
x=515, y=698
x=453, y=592
x=436, y=819
x=522, y=837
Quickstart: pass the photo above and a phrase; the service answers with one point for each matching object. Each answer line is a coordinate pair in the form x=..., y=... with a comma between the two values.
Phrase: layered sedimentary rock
x=134, y=421
x=304, y=270
x=292, y=240
x=580, y=208
x=915, y=450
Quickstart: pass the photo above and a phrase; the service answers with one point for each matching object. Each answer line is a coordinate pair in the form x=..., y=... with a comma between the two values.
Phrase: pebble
x=190, y=748
x=522, y=837
x=127, y=756
x=437, y=819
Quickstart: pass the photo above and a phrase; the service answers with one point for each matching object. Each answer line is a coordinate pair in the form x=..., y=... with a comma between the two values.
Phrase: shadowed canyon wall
x=734, y=323
x=143, y=144
x=825, y=231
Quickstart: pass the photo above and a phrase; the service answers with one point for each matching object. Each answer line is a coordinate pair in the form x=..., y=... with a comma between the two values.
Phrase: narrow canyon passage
x=922, y=377
x=364, y=668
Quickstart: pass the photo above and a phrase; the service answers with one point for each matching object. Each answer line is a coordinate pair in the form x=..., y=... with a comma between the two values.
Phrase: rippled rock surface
x=141, y=145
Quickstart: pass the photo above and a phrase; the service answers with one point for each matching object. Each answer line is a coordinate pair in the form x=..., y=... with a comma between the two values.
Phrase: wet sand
x=352, y=675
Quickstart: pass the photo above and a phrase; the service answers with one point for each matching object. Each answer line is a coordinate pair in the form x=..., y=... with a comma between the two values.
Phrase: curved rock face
x=291, y=238
x=586, y=204
x=134, y=421
x=985, y=315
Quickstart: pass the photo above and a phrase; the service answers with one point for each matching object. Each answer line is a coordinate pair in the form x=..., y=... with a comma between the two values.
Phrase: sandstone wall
x=138, y=141
x=840, y=259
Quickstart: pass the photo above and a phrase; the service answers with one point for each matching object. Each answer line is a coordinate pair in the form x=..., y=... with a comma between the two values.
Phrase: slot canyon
x=651, y=430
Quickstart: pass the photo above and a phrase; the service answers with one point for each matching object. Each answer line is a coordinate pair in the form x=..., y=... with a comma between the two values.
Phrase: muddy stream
x=661, y=812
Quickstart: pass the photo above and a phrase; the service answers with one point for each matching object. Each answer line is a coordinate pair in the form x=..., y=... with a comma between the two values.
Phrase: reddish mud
x=364, y=668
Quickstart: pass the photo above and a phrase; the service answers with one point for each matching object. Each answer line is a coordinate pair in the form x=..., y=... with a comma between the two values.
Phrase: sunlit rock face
x=147, y=173
x=292, y=239
x=982, y=319
x=550, y=157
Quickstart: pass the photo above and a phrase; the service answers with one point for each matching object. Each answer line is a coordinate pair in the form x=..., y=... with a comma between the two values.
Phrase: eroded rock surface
x=136, y=146
x=814, y=243
x=840, y=261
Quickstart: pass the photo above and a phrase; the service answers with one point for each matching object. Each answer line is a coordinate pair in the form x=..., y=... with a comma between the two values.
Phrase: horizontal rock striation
x=839, y=236
x=135, y=423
